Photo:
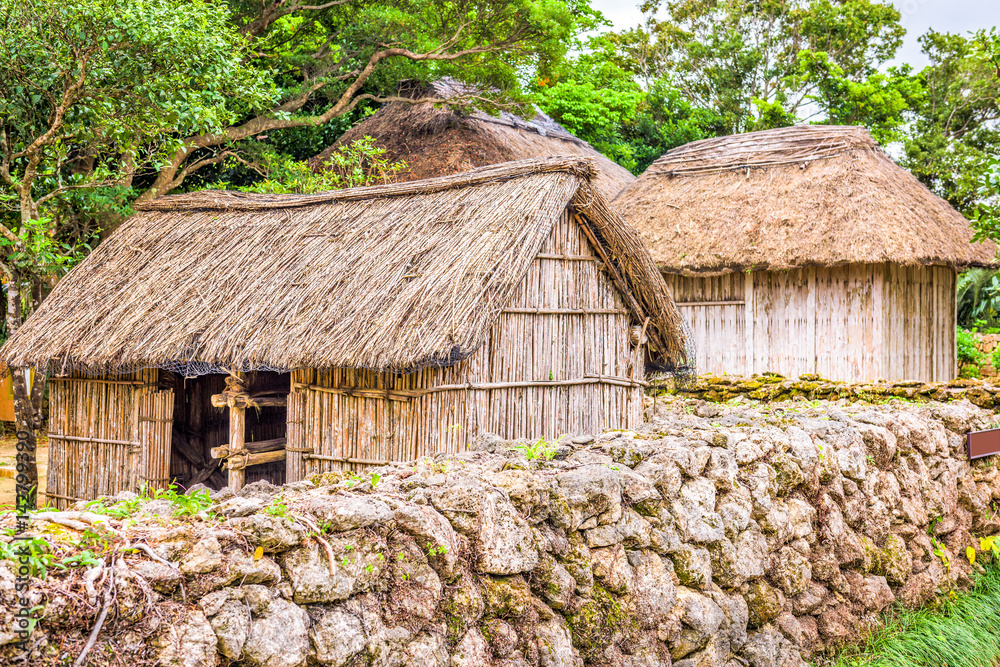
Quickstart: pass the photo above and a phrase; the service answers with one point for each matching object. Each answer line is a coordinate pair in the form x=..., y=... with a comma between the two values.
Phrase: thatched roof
x=810, y=195
x=394, y=277
x=439, y=141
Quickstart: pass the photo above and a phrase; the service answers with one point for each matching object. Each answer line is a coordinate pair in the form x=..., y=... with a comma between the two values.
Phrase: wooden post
x=237, y=443
x=748, y=326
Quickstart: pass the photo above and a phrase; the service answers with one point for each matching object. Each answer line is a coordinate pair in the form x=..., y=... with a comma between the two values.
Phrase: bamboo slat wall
x=919, y=331
x=558, y=361
x=103, y=437
x=860, y=322
x=714, y=307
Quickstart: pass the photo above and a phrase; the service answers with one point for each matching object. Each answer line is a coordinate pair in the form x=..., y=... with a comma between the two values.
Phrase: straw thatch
x=794, y=197
x=389, y=278
x=440, y=141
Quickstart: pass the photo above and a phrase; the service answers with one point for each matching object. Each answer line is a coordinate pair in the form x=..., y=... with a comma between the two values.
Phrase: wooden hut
x=436, y=141
x=806, y=250
x=296, y=334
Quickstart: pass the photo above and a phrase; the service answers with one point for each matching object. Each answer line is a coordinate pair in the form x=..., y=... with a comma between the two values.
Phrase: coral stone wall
x=713, y=536
x=772, y=387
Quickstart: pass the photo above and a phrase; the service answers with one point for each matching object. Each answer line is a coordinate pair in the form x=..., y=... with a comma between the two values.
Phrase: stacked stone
x=772, y=387
x=715, y=536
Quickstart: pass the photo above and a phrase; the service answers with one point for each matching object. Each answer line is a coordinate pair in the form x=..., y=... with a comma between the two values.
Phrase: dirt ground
x=8, y=472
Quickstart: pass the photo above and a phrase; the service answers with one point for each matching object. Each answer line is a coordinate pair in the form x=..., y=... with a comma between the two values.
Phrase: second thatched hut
x=438, y=141
x=806, y=250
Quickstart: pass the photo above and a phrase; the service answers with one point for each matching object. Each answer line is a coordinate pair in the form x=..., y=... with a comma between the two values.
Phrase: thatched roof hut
x=437, y=141
x=366, y=325
x=806, y=250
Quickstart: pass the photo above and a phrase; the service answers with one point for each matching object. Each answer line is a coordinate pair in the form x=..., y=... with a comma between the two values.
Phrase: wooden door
x=156, y=425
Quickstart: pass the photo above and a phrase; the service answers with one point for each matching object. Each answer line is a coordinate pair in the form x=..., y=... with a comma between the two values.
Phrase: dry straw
x=387, y=278
x=801, y=196
x=439, y=141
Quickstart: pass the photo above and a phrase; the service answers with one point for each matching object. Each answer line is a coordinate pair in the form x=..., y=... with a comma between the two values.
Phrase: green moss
x=506, y=596
x=461, y=608
x=873, y=555
x=763, y=603
x=598, y=623
x=894, y=563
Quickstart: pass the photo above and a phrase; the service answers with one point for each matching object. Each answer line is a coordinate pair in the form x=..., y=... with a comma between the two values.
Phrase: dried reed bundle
x=388, y=278
x=792, y=198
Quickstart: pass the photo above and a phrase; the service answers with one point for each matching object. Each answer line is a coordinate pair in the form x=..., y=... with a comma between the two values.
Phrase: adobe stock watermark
x=910, y=8
x=24, y=619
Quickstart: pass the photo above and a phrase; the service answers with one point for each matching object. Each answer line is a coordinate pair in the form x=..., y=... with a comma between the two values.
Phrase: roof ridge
x=783, y=146
x=583, y=167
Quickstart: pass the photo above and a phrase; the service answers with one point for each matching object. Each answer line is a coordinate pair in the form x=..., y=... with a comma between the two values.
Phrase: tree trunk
x=25, y=417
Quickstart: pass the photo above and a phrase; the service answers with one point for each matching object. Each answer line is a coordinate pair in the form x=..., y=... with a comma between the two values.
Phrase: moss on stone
x=895, y=563
x=763, y=603
x=599, y=623
x=506, y=596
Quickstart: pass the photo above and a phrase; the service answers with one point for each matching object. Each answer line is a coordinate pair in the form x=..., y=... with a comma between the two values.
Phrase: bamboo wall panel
x=860, y=322
x=848, y=322
x=156, y=413
x=784, y=324
x=402, y=420
x=718, y=327
x=96, y=440
x=919, y=315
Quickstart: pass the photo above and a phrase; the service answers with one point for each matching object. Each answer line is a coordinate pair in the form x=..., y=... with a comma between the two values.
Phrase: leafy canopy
x=92, y=89
x=767, y=63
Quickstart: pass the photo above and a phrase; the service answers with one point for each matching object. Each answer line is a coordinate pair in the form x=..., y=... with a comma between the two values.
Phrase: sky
x=955, y=16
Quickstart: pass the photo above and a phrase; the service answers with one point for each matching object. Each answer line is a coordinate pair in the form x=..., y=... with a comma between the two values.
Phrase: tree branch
x=169, y=178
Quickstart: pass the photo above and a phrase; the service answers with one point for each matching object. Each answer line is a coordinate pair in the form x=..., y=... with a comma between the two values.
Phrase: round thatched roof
x=438, y=142
x=809, y=195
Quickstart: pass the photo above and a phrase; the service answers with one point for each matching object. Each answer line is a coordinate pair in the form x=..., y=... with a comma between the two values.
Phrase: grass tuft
x=959, y=631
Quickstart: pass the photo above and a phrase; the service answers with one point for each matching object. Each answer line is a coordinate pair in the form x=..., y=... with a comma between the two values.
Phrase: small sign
x=982, y=443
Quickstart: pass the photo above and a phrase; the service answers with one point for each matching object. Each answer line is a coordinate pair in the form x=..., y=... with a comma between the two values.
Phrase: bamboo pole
x=237, y=435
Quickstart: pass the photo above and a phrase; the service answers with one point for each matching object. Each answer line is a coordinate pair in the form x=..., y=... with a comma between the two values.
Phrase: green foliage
x=759, y=64
x=985, y=216
x=119, y=510
x=600, y=101
x=358, y=163
x=41, y=556
x=978, y=296
x=191, y=503
x=277, y=507
x=540, y=449
x=953, y=139
x=105, y=87
x=958, y=630
x=967, y=345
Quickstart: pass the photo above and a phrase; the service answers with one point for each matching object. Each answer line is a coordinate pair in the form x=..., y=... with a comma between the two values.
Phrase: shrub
x=967, y=343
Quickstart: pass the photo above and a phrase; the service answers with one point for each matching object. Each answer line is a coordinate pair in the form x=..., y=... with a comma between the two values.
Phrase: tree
x=358, y=163
x=767, y=63
x=91, y=91
x=328, y=57
x=953, y=138
x=593, y=98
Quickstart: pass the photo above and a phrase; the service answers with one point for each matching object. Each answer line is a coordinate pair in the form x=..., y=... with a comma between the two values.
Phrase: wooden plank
x=100, y=441
x=237, y=431
x=691, y=304
x=749, y=332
